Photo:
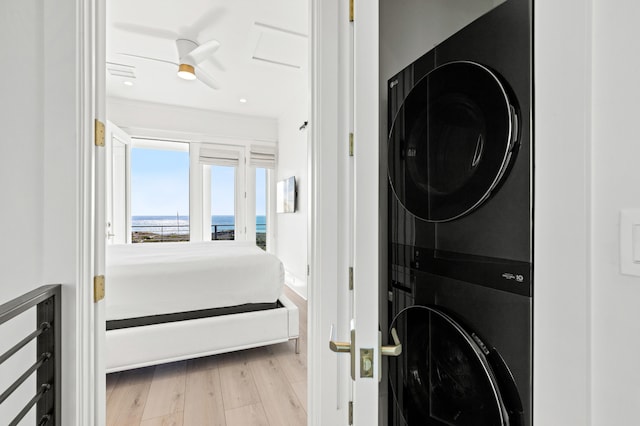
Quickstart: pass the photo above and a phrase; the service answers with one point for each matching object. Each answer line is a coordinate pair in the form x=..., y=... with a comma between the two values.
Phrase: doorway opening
x=240, y=119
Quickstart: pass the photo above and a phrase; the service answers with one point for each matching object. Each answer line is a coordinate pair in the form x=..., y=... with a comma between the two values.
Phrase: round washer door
x=451, y=141
x=442, y=376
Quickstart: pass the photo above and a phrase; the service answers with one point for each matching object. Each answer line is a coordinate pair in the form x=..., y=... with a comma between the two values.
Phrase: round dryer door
x=451, y=141
x=443, y=376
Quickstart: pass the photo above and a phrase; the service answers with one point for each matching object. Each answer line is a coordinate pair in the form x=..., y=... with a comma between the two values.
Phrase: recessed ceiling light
x=127, y=83
x=243, y=101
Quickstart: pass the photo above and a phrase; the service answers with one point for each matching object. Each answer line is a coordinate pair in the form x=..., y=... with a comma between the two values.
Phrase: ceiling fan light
x=186, y=72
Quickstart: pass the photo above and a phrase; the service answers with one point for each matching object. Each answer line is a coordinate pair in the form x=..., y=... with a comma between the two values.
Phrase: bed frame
x=144, y=345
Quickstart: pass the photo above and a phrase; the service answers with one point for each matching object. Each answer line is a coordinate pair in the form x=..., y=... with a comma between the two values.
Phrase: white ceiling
x=253, y=34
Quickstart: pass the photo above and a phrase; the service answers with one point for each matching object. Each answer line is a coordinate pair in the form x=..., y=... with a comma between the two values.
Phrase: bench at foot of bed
x=141, y=346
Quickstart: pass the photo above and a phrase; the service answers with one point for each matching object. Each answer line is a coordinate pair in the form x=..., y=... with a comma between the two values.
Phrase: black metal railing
x=166, y=233
x=223, y=232
x=47, y=364
x=159, y=233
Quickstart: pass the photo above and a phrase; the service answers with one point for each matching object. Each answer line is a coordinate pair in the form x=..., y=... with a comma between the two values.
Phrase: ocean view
x=180, y=224
x=176, y=228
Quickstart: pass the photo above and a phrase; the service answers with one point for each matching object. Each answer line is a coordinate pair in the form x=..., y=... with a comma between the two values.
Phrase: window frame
x=200, y=183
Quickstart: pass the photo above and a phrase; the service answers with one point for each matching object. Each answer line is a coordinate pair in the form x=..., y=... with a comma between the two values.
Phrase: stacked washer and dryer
x=460, y=225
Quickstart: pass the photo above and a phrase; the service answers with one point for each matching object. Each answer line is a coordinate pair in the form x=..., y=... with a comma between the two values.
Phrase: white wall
x=40, y=170
x=616, y=185
x=291, y=228
x=562, y=61
x=21, y=147
x=21, y=177
x=67, y=214
x=175, y=122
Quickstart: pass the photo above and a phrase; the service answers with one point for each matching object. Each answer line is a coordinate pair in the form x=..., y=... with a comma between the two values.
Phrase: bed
x=173, y=301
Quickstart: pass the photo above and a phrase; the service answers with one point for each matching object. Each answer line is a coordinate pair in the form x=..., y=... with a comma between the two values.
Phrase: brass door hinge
x=350, y=277
x=351, y=10
x=350, y=144
x=99, y=133
x=98, y=288
x=350, y=412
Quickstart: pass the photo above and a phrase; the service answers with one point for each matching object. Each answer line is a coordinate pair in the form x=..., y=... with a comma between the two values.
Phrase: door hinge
x=350, y=412
x=350, y=144
x=308, y=270
x=98, y=138
x=350, y=277
x=98, y=288
x=351, y=10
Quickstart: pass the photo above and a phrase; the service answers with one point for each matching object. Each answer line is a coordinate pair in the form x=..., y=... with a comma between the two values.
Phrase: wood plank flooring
x=264, y=386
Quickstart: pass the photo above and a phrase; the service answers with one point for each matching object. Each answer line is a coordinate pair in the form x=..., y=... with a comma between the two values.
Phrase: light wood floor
x=261, y=386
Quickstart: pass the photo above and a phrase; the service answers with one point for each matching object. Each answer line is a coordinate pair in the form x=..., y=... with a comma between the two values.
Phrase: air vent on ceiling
x=121, y=70
x=279, y=46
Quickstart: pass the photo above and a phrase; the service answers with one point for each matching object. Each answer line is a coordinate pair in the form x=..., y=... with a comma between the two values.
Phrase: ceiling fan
x=190, y=55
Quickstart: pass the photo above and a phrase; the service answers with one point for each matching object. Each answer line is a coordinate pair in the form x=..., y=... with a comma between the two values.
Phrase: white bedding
x=159, y=278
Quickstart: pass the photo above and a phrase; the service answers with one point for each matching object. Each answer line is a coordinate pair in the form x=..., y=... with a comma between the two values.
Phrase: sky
x=160, y=185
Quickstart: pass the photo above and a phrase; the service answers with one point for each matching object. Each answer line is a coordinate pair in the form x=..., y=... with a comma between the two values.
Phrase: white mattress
x=160, y=278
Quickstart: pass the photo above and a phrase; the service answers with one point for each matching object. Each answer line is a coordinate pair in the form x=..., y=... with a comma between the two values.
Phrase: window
x=220, y=218
x=159, y=191
x=261, y=208
x=263, y=159
x=223, y=198
x=199, y=191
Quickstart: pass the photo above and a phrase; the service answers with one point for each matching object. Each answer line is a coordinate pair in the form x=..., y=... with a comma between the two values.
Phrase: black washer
x=447, y=375
x=459, y=158
x=451, y=141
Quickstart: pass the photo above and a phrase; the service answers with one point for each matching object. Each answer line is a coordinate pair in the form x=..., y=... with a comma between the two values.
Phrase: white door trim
x=326, y=112
x=88, y=401
x=366, y=206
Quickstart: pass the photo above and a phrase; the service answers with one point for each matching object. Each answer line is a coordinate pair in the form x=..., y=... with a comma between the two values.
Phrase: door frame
x=330, y=35
x=85, y=23
x=344, y=98
x=322, y=281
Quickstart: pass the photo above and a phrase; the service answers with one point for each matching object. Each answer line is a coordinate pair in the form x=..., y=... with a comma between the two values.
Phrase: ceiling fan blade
x=144, y=30
x=206, y=79
x=202, y=51
x=149, y=59
x=217, y=63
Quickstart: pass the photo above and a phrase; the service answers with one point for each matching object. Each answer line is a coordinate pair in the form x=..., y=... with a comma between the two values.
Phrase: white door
x=118, y=217
x=345, y=99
